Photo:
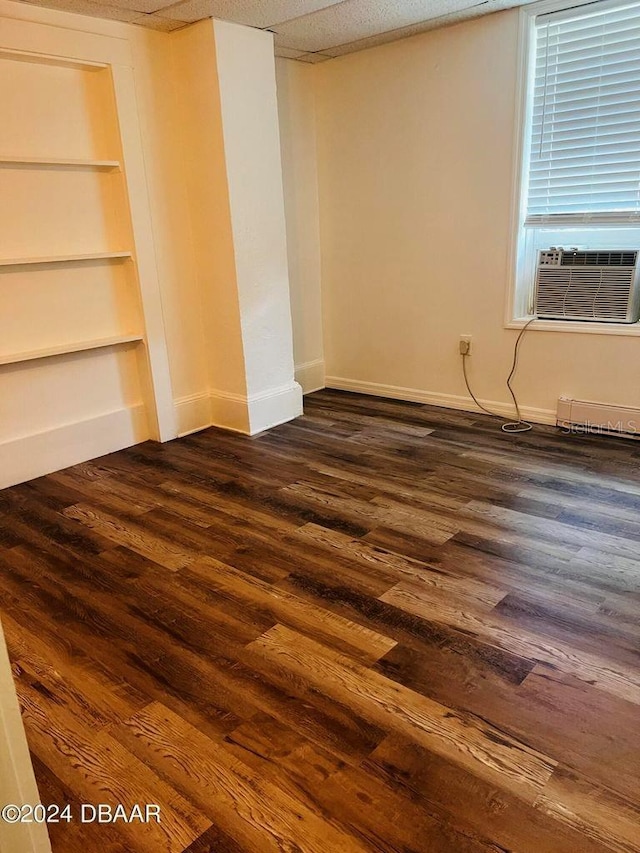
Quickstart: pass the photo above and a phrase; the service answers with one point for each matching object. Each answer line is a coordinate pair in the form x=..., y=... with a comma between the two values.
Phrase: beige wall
x=166, y=165
x=297, y=116
x=416, y=151
x=199, y=130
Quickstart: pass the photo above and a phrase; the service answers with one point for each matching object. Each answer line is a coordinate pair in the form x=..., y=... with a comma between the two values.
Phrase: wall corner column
x=226, y=86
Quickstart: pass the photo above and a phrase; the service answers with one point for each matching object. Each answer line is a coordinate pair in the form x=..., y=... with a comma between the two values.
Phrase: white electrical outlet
x=465, y=344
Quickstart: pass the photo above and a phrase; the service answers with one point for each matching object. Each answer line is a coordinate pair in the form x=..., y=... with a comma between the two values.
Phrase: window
x=581, y=171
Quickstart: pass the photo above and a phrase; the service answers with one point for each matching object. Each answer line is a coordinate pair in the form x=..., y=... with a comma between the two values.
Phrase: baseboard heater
x=586, y=416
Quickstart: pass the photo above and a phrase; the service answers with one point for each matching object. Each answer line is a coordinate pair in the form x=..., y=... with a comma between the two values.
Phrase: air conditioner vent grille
x=588, y=285
x=608, y=259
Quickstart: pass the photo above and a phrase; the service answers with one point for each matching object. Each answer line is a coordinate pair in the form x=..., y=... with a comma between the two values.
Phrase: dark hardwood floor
x=382, y=627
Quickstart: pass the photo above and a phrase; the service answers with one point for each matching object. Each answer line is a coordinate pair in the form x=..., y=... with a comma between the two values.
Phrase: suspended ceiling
x=308, y=30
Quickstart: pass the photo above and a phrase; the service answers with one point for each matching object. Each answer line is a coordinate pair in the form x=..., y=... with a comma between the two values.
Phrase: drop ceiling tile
x=308, y=30
x=357, y=19
x=253, y=13
x=156, y=22
x=288, y=53
x=94, y=10
x=472, y=11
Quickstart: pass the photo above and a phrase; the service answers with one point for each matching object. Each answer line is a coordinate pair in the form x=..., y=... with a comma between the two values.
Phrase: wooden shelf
x=66, y=349
x=64, y=259
x=54, y=162
x=48, y=59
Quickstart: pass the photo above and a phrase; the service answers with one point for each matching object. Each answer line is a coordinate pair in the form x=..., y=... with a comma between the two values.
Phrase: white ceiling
x=309, y=30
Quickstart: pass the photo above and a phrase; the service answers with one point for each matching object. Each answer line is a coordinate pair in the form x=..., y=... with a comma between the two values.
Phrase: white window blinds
x=584, y=162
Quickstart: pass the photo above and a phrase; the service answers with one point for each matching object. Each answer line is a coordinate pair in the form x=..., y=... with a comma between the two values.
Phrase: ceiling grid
x=306, y=30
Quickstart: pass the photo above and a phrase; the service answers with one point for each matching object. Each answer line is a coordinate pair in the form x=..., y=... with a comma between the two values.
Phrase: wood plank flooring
x=382, y=627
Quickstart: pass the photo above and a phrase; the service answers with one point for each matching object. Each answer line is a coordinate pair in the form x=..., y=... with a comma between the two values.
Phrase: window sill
x=629, y=330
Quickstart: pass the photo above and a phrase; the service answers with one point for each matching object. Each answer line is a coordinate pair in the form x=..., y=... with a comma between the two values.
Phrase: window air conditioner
x=588, y=284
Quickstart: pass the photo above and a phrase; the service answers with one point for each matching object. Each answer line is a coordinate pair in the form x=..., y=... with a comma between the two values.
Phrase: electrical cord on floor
x=510, y=426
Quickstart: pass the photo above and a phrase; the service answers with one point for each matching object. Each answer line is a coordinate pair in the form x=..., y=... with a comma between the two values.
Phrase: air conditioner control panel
x=551, y=257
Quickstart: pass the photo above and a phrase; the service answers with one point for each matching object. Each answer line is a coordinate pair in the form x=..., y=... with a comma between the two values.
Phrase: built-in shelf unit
x=68, y=280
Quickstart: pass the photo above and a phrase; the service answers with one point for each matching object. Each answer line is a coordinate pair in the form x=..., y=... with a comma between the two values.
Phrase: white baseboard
x=34, y=455
x=310, y=375
x=193, y=413
x=238, y=412
x=273, y=407
x=256, y=412
x=229, y=411
x=447, y=401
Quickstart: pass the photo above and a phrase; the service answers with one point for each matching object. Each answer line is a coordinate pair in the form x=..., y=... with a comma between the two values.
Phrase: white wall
x=297, y=115
x=416, y=150
x=199, y=130
x=227, y=114
x=248, y=106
